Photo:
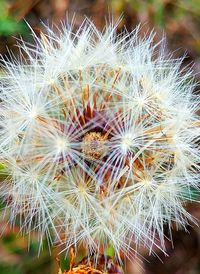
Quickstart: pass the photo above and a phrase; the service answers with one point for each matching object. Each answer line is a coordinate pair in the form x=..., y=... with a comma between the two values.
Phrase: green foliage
x=160, y=10
x=8, y=24
x=110, y=251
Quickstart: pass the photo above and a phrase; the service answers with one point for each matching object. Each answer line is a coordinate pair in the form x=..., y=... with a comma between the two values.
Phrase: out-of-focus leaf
x=110, y=251
x=159, y=12
x=9, y=26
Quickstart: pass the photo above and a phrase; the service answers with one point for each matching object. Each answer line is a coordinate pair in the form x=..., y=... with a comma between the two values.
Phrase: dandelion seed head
x=99, y=136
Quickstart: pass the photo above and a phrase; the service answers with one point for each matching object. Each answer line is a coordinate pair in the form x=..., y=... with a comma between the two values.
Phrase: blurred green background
x=180, y=22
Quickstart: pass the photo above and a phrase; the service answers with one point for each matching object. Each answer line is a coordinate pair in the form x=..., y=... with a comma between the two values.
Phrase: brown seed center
x=93, y=145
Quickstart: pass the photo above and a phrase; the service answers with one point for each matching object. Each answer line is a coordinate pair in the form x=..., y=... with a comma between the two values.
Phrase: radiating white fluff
x=99, y=136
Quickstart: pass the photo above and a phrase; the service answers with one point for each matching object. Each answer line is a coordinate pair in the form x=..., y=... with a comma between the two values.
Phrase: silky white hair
x=127, y=89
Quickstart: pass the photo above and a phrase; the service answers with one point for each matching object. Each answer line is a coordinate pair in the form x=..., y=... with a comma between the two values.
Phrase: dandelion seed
x=99, y=137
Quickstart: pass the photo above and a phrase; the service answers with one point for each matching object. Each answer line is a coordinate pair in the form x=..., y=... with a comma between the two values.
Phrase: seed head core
x=93, y=145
